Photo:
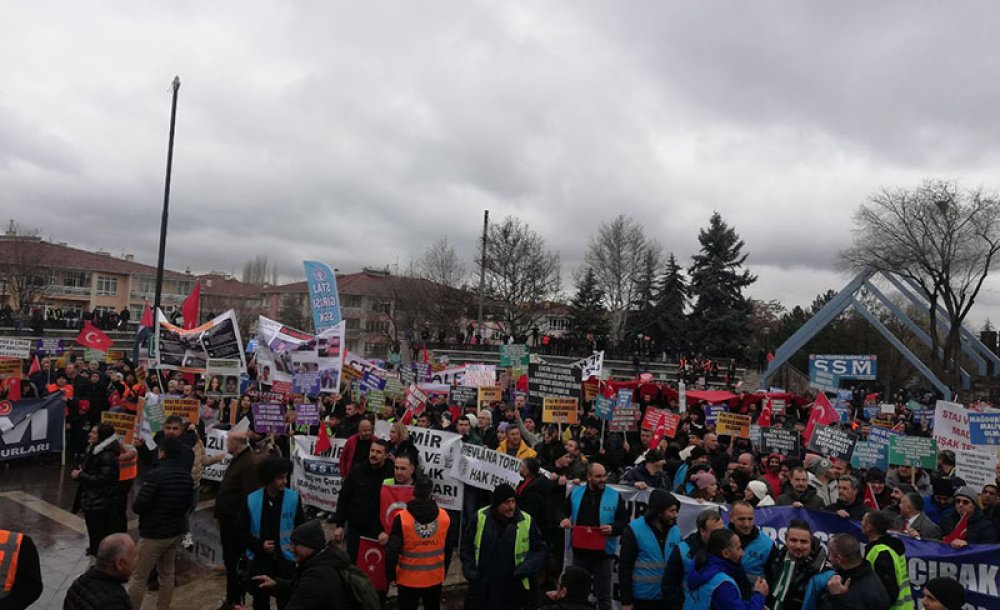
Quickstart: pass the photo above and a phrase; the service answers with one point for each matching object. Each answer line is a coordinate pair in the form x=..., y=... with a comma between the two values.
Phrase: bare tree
x=520, y=275
x=620, y=253
x=440, y=264
x=25, y=272
x=259, y=271
x=942, y=237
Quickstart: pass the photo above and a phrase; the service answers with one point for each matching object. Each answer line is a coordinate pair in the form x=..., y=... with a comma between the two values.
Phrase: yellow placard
x=185, y=407
x=124, y=424
x=733, y=424
x=560, y=410
x=490, y=394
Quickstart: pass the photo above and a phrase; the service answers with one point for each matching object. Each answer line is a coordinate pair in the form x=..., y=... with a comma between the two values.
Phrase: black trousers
x=232, y=550
x=409, y=597
x=100, y=523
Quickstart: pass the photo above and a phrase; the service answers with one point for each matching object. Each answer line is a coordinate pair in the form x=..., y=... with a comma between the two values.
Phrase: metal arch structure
x=972, y=347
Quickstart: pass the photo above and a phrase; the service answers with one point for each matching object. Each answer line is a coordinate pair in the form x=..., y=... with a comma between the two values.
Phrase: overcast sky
x=359, y=132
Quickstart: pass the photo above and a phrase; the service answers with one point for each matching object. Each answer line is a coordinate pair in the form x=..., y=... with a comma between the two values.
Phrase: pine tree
x=669, y=314
x=720, y=318
x=588, y=319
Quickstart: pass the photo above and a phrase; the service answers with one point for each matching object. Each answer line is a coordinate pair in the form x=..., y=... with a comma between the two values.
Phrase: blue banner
x=323, y=298
x=984, y=428
x=712, y=413
x=604, y=407
x=976, y=567
x=30, y=427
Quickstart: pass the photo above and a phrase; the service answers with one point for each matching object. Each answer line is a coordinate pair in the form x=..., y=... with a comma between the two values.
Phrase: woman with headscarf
x=97, y=495
x=758, y=494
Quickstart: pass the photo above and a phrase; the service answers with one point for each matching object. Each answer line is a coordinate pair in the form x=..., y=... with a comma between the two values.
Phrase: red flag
x=115, y=400
x=588, y=537
x=323, y=443
x=822, y=414
x=147, y=317
x=870, y=499
x=13, y=387
x=35, y=367
x=190, y=307
x=393, y=499
x=425, y=352
x=93, y=337
x=371, y=561
x=764, y=419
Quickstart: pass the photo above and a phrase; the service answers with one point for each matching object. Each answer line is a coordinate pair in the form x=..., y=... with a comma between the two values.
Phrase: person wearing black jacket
x=849, y=504
x=237, y=483
x=161, y=504
x=100, y=587
x=27, y=586
x=573, y=591
x=538, y=496
x=674, y=576
x=854, y=586
x=317, y=584
x=802, y=558
x=97, y=495
x=359, y=502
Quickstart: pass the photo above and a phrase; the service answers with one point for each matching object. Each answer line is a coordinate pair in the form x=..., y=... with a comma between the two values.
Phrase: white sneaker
x=187, y=542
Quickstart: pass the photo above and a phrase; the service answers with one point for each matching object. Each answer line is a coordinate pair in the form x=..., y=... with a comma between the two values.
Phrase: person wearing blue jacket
x=712, y=583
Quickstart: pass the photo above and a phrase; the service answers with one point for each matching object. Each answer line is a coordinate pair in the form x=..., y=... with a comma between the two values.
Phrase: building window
x=184, y=287
x=104, y=309
x=107, y=286
x=352, y=323
x=376, y=326
x=350, y=300
x=558, y=324
x=382, y=307
x=77, y=279
x=147, y=285
x=374, y=349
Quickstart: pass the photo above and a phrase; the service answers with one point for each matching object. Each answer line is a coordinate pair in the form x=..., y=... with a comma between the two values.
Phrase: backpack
x=359, y=588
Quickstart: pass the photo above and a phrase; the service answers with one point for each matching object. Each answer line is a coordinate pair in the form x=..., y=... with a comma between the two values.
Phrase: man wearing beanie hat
x=418, y=550
x=501, y=549
x=647, y=544
x=942, y=501
x=943, y=594
x=967, y=525
x=824, y=481
x=317, y=581
x=649, y=473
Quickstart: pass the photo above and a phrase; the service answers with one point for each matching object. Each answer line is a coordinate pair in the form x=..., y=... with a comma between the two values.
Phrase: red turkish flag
x=870, y=499
x=93, y=337
x=115, y=400
x=764, y=419
x=147, y=317
x=588, y=537
x=822, y=414
x=323, y=443
x=371, y=561
x=393, y=500
x=666, y=426
x=190, y=308
x=35, y=367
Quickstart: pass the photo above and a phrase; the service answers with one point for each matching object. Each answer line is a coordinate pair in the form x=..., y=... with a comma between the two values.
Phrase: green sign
x=393, y=387
x=514, y=355
x=913, y=451
x=374, y=400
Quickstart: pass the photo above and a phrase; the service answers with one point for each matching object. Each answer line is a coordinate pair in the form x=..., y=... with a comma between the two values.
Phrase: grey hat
x=968, y=492
x=310, y=534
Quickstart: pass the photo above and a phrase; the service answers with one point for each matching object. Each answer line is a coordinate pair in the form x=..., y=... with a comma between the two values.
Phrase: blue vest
x=756, y=554
x=701, y=598
x=606, y=514
x=286, y=523
x=651, y=561
x=815, y=588
x=679, y=477
x=687, y=559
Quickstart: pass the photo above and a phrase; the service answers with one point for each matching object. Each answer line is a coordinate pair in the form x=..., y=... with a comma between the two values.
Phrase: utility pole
x=482, y=275
x=166, y=204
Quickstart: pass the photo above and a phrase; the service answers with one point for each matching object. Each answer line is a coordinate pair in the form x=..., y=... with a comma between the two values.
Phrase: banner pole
x=603, y=422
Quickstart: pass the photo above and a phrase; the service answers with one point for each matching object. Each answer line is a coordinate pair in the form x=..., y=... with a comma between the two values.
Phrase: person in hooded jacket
x=796, y=565
x=418, y=549
x=646, y=546
x=97, y=495
x=573, y=592
x=712, y=582
x=967, y=524
x=682, y=557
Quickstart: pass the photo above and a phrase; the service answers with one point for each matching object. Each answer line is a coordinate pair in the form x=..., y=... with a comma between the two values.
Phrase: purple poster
x=269, y=418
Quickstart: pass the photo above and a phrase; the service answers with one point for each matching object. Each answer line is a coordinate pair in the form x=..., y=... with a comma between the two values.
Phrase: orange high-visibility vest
x=128, y=465
x=421, y=563
x=10, y=548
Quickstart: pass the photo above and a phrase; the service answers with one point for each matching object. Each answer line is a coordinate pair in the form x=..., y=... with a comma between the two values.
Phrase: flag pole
x=176, y=85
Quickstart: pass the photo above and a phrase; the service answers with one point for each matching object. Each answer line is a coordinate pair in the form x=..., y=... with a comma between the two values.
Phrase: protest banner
x=464, y=396
x=305, y=384
x=550, y=380
x=223, y=367
x=124, y=424
x=489, y=394
x=976, y=566
x=712, y=413
x=733, y=424
x=514, y=355
x=832, y=442
x=450, y=376
x=317, y=478
x=422, y=371
x=869, y=454
x=604, y=407
x=269, y=418
x=779, y=440
x=913, y=451
x=10, y=367
x=15, y=348
x=283, y=351
x=625, y=420
x=623, y=398
x=977, y=468
x=485, y=468
x=984, y=428
x=374, y=401
x=50, y=347
x=951, y=426
x=437, y=451
x=478, y=375
x=415, y=400
x=323, y=298
x=307, y=414
x=755, y=435
x=394, y=388
x=652, y=418
x=215, y=444
x=591, y=366
x=560, y=410
x=373, y=379
x=178, y=349
x=30, y=427
x=151, y=420
x=188, y=408
x=591, y=388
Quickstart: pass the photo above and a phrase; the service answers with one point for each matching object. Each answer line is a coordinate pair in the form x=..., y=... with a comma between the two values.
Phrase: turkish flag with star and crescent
x=822, y=414
x=393, y=499
x=371, y=561
x=93, y=337
x=588, y=537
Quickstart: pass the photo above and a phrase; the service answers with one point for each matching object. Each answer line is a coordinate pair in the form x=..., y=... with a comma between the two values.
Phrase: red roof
x=216, y=284
x=32, y=252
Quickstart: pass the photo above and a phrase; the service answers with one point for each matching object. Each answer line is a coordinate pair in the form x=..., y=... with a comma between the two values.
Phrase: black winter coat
x=238, y=482
x=163, y=500
x=864, y=593
x=99, y=477
x=494, y=581
x=317, y=584
x=95, y=590
x=540, y=499
x=359, y=502
x=980, y=529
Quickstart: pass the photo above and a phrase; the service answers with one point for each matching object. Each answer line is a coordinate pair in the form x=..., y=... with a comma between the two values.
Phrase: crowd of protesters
x=510, y=542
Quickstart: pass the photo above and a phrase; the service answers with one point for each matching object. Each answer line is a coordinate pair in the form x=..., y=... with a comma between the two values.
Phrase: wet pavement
x=36, y=497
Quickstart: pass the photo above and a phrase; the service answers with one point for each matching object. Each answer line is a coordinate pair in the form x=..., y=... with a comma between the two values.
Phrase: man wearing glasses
x=967, y=525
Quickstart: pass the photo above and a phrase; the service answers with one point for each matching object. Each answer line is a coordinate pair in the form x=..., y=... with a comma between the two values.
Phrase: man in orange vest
x=20, y=571
x=128, y=470
x=418, y=552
